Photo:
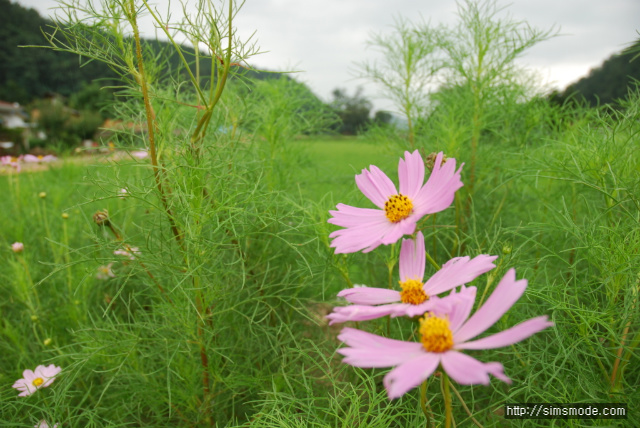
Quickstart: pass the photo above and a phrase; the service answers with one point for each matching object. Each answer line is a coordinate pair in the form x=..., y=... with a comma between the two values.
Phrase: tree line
x=607, y=83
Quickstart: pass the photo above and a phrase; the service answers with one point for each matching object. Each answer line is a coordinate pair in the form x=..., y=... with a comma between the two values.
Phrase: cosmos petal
x=412, y=258
x=503, y=297
x=458, y=271
x=464, y=369
x=510, y=336
x=410, y=374
x=370, y=295
x=411, y=174
x=370, y=350
x=358, y=313
x=439, y=190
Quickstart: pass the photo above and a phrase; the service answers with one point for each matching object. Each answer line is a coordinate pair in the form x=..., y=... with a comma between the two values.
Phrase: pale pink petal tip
x=359, y=313
x=370, y=295
x=510, y=336
x=466, y=370
x=506, y=293
x=410, y=374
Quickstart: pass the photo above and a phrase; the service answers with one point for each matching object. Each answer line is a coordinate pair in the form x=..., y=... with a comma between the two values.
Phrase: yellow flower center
x=397, y=208
x=436, y=334
x=412, y=292
x=37, y=382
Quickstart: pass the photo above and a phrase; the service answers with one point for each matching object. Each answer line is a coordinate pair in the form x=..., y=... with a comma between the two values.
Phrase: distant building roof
x=6, y=107
x=12, y=115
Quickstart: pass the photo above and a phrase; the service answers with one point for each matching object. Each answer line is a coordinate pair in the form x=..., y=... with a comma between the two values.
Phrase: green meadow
x=190, y=287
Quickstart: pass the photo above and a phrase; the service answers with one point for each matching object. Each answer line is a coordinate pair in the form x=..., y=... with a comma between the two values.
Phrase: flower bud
x=17, y=247
x=430, y=161
x=507, y=248
x=101, y=218
x=42, y=195
x=65, y=216
x=47, y=341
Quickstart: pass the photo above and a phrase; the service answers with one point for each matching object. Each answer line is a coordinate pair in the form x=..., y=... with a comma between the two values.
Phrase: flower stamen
x=412, y=292
x=398, y=207
x=37, y=382
x=436, y=334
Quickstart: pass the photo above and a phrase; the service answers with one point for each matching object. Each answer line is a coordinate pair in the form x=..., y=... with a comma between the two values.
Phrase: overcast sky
x=324, y=38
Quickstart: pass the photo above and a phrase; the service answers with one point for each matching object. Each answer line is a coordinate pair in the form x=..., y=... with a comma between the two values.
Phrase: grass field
x=123, y=335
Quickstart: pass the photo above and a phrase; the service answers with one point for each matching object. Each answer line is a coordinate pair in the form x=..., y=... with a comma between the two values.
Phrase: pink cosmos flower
x=416, y=297
x=41, y=377
x=11, y=161
x=443, y=336
x=17, y=247
x=30, y=159
x=366, y=228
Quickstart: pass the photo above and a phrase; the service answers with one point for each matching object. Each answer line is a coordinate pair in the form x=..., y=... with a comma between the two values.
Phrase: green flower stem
x=435, y=241
x=459, y=222
x=490, y=279
x=73, y=309
x=140, y=76
x=344, y=269
x=31, y=285
x=391, y=263
x=67, y=258
x=424, y=404
x=616, y=374
x=618, y=369
x=433, y=262
x=203, y=123
x=204, y=359
x=447, y=400
x=627, y=357
x=464, y=405
x=47, y=229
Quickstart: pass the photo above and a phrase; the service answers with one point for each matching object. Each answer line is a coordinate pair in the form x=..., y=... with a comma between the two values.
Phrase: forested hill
x=30, y=73
x=610, y=81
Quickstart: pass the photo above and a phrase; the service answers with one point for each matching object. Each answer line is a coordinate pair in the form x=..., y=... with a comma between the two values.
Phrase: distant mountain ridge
x=609, y=82
x=27, y=74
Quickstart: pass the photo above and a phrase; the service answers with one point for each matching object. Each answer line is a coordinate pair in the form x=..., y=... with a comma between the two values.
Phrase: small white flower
x=129, y=252
x=105, y=272
x=139, y=154
x=44, y=424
